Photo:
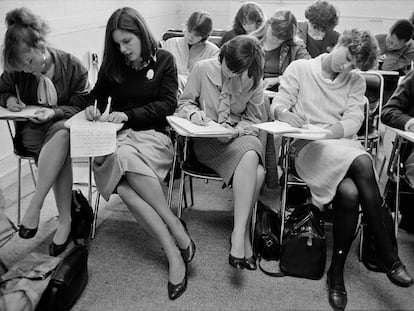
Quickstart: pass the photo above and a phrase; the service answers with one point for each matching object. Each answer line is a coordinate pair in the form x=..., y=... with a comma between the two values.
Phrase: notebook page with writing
x=187, y=128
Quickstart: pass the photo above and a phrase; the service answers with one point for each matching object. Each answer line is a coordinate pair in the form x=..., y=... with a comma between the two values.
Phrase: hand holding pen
x=15, y=103
x=92, y=113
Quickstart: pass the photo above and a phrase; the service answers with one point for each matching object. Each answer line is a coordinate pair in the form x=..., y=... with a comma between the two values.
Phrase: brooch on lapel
x=150, y=74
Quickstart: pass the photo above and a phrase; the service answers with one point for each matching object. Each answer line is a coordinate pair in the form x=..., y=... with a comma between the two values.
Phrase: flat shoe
x=399, y=276
x=26, y=233
x=337, y=296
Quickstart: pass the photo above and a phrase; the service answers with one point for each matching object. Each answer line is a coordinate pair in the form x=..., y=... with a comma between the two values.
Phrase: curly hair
x=243, y=53
x=362, y=45
x=322, y=15
x=248, y=12
x=201, y=24
x=25, y=31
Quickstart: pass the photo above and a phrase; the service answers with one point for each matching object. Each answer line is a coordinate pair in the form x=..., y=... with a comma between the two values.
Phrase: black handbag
x=67, y=282
x=303, y=250
x=82, y=216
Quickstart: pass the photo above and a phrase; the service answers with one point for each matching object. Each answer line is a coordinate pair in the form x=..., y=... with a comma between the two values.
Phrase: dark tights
x=358, y=187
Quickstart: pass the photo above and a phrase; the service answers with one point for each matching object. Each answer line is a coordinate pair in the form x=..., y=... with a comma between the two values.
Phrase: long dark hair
x=25, y=30
x=242, y=53
x=130, y=20
x=248, y=12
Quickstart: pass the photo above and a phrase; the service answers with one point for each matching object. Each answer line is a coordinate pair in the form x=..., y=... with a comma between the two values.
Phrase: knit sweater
x=303, y=89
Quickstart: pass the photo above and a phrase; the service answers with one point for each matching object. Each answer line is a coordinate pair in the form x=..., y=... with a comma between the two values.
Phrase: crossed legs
x=54, y=169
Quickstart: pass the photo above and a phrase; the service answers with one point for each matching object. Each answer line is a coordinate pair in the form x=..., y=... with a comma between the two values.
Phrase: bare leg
x=260, y=176
x=51, y=160
x=146, y=215
x=149, y=189
x=244, y=187
x=63, y=196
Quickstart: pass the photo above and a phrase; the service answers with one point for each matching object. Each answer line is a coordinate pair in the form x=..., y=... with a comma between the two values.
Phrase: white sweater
x=325, y=102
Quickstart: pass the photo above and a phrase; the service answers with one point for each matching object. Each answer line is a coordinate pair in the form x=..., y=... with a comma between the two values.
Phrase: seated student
x=326, y=91
x=229, y=90
x=193, y=47
x=57, y=82
x=277, y=36
x=396, y=49
x=141, y=79
x=248, y=18
x=399, y=113
x=318, y=32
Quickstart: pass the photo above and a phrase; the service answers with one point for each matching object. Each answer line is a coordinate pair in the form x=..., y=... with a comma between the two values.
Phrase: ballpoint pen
x=95, y=107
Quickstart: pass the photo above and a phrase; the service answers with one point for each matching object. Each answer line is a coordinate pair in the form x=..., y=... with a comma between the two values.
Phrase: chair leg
x=19, y=190
x=95, y=215
x=180, y=194
x=31, y=163
x=191, y=190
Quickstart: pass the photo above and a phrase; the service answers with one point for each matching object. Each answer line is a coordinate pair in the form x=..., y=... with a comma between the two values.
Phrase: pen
x=19, y=100
x=95, y=106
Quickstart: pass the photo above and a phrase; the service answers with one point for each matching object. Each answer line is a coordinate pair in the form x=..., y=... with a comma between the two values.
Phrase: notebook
x=185, y=127
x=26, y=113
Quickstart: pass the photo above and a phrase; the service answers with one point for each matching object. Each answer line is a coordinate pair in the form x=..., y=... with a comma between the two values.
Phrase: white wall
x=78, y=25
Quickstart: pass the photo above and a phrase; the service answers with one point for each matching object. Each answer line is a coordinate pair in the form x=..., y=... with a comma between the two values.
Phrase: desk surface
x=404, y=134
x=385, y=72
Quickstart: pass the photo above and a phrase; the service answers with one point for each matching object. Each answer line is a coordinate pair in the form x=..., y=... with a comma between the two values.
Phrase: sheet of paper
x=26, y=113
x=278, y=127
x=187, y=128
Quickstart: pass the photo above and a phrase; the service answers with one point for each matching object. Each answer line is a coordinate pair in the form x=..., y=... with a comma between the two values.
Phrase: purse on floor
x=67, y=281
x=82, y=216
x=303, y=249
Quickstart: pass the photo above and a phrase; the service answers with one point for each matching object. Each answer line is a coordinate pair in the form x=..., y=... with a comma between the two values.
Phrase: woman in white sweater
x=326, y=91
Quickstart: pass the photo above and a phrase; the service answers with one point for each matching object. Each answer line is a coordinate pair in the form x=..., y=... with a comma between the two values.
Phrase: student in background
x=249, y=17
x=37, y=74
x=277, y=36
x=318, y=31
x=399, y=113
x=396, y=49
x=193, y=47
x=326, y=91
x=229, y=90
x=142, y=82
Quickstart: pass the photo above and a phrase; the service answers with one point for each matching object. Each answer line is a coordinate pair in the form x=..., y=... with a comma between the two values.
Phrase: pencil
x=95, y=107
x=19, y=100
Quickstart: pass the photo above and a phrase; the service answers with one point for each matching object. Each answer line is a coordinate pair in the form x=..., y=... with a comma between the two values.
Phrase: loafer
x=398, y=275
x=57, y=249
x=176, y=290
x=26, y=233
x=250, y=263
x=337, y=296
x=189, y=252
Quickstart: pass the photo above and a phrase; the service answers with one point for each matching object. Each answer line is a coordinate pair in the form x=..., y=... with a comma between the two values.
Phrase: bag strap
x=273, y=274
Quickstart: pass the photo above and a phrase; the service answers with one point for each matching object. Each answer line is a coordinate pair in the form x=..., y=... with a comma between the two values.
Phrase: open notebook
x=185, y=127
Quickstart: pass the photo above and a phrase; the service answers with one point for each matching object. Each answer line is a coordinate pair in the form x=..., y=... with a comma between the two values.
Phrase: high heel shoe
x=189, y=252
x=176, y=290
x=26, y=233
x=57, y=249
x=250, y=263
x=235, y=262
x=337, y=295
x=398, y=275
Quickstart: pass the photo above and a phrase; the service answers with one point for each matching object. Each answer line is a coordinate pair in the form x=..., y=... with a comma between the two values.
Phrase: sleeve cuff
x=59, y=113
x=408, y=124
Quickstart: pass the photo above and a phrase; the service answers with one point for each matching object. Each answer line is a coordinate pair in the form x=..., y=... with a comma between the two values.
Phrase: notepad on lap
x=26, y=113
x=187, y=128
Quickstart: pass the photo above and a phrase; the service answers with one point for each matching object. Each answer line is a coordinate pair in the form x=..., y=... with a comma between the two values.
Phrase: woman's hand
x=270, y=82
x=411, y=128
x=199, y=117
x=13, y=104
x=91, y=115
x=235, y=133
x=115, y=117
x=293, y=119
x=43, y=115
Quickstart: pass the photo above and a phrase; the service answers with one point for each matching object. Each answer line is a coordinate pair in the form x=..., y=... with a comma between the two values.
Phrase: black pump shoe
x=250, y=263
x=399, y=276
x=57, y=249
x=26, y=233
x=337, y=295
x=235, y=262
x=189, y=252
x=176, y=290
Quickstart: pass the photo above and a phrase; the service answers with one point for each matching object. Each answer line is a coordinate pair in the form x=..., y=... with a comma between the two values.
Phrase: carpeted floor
x=128, y=271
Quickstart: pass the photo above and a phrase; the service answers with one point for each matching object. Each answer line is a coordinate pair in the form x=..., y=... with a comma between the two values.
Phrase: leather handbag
x=82, y=216
x=67, y=281
x=303, y=250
